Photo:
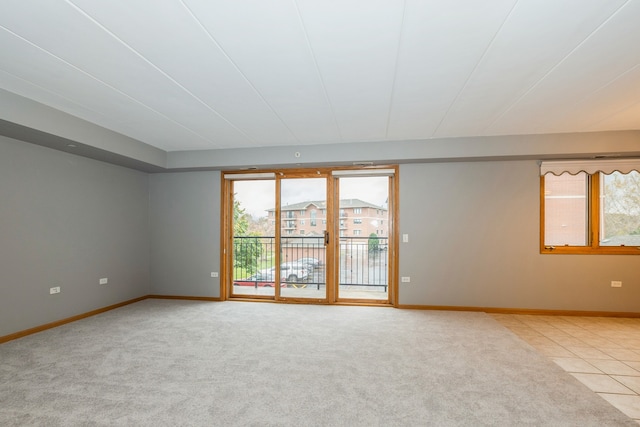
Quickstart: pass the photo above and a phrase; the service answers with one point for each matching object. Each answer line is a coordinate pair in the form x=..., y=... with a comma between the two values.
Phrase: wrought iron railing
x=363, y=261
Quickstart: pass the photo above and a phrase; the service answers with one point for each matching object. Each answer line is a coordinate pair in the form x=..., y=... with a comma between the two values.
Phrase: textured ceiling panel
x=442, y=42
x=532, y=41
x=196, y=74
x=173, y=42
x=609, y=52
x=267, y=43
x=356, y=49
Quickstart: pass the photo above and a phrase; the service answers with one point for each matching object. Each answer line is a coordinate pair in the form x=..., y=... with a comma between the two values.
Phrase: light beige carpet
x=169, y=363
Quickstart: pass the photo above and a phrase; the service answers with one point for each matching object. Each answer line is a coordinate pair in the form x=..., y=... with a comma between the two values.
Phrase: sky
x=258, y=196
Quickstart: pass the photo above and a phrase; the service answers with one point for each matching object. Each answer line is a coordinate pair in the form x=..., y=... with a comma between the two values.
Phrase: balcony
x=363, y=263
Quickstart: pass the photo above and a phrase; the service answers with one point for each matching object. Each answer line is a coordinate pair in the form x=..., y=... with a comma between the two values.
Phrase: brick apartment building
x=357, y=218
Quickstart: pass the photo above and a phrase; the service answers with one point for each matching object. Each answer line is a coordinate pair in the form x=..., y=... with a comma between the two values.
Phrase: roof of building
x=322, y=204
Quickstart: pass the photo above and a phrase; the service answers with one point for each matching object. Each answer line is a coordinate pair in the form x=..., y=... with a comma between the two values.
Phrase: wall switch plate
x=405, y=279
x=214, y=274
x=405, y=238
x=616, y=284
x=104, y=281
x=55, y=290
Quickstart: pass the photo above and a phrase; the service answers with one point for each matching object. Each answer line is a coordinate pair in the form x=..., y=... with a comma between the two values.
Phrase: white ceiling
x=204, y=74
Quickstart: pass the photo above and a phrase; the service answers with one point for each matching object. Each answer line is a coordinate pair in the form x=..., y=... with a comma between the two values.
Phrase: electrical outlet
x=55, y=290
x=406, y=279
x=616, y=284
x=214, y=274
x=104, y=281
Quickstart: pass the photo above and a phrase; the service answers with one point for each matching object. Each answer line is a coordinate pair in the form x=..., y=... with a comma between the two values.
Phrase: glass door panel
x=254, y=248
x=303, y=226
x=317, y=235
x=364, y=224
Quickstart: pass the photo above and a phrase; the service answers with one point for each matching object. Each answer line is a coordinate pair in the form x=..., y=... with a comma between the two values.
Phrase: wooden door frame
x=226, y=242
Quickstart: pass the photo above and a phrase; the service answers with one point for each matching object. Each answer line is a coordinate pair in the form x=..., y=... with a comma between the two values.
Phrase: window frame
x=593, y=227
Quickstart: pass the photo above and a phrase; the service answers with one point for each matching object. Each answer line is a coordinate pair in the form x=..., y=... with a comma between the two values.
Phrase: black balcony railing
x=363, y=261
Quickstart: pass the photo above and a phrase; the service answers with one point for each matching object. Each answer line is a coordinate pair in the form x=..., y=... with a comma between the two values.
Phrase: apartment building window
x=357, y=210
x=590, y=207
x=357, y=232
x=302, y=222
x=357, y=220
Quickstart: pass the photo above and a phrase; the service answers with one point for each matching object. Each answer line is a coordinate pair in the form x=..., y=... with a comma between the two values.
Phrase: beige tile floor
x=601, y=352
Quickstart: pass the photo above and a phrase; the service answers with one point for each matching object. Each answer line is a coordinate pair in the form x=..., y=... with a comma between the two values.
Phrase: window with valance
x=590, y=206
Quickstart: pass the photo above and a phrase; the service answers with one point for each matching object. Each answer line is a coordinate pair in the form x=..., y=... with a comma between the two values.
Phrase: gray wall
x=506, y=147
x=108, y=145
x=474, y=241
x=67, y=221
x=473, y=226
x=185, y=233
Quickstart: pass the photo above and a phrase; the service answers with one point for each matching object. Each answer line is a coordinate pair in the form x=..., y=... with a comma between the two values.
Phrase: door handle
x=326, y=237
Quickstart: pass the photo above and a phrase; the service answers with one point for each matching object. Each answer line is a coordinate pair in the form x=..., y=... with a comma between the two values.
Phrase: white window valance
x=558, y=167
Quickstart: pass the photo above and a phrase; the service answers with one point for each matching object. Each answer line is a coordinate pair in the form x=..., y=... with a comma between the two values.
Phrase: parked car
x=293, y=271
x=312, y=263
x=289, y=272
x=258, y=280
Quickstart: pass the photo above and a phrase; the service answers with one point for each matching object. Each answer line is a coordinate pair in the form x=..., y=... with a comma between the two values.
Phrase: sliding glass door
x=363, y=261
x=322, y=236
x=252, y=236
x=303, y=237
